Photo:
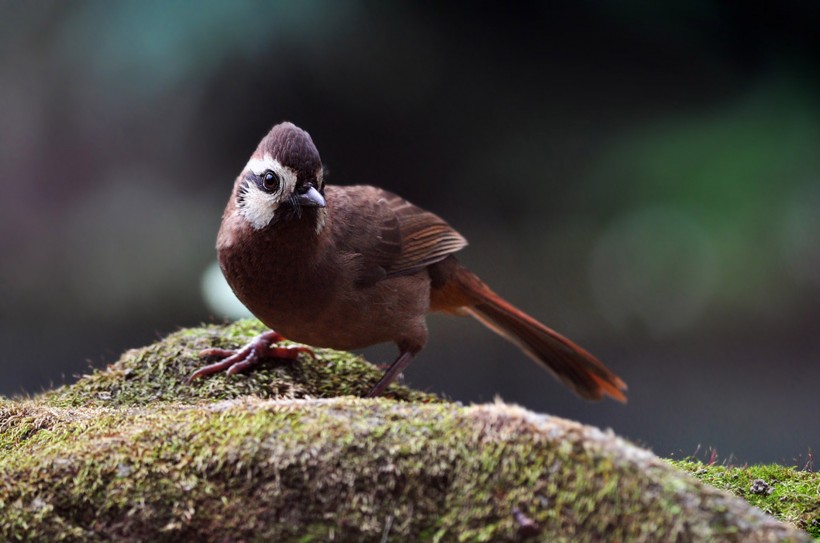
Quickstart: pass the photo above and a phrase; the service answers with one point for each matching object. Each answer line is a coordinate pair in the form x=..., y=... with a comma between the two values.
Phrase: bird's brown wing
x=425, y=237
x=392, y=234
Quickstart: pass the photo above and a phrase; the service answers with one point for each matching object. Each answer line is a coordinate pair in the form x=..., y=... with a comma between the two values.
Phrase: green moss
x=252, y=469
x=134, y=453
x=788, y=493
x=159, y=373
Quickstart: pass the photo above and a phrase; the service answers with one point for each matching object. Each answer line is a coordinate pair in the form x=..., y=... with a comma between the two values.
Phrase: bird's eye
x=270, y=181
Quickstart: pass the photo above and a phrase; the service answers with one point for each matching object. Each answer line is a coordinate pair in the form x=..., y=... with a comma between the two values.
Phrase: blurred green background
x=644, y=177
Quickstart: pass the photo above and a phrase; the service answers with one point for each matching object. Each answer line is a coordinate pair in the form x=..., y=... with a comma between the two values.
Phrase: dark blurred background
x=644, y=177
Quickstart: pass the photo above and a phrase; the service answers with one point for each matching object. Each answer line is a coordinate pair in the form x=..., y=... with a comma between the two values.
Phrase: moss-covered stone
x=788, y=493
x=134, y=453
x=159, y=373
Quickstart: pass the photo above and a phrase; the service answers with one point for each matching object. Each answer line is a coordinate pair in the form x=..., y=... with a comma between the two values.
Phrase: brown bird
x=348, y=267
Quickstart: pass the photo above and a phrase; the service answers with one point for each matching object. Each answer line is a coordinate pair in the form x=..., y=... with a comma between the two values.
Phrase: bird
x=346, y=267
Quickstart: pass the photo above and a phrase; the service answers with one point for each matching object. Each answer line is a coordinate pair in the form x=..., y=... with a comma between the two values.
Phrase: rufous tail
x=571, y=364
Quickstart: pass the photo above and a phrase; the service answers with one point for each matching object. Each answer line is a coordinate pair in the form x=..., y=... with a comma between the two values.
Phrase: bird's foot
x=260, y=347
x=392, y=373
x=399, y=380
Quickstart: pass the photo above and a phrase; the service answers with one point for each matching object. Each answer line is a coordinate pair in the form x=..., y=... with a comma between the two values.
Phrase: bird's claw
x=239, y=360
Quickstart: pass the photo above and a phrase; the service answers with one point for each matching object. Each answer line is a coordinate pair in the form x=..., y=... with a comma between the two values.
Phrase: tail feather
x=579, y=370
x=571, y=364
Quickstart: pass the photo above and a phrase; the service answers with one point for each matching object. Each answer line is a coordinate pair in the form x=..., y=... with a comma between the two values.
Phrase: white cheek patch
x=257, y=206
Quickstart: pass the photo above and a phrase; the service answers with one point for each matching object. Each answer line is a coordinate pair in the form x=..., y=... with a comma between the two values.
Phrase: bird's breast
x=284, y=284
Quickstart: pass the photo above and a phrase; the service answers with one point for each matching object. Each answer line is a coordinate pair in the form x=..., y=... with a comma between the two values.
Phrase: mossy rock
x=788, y=493
x=159, y=373
x=289, y=453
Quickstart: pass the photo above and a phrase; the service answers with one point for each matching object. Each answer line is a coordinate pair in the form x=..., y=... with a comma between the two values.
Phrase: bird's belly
x=368, y=317
x=324, y=307
x=280, y=294
x=339, y=323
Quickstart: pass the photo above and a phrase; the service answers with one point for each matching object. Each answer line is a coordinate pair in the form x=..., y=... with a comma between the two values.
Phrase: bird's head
x=283, y=180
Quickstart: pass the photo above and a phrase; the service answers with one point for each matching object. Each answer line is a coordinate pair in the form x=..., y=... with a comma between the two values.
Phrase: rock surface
x=290, y=453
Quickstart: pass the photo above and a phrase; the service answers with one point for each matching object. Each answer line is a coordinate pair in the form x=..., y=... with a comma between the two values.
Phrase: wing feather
x=425, y=237
x=391, y=235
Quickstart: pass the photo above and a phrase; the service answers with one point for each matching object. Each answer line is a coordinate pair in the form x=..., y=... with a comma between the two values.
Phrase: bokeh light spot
x=655, y=267
x=218, y=295
x=800, y=235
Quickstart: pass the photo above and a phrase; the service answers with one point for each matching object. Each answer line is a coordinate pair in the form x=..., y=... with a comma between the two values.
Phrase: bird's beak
x=311, y=198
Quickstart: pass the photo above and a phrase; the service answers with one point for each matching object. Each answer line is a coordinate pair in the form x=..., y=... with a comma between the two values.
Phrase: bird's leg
x=234, y=361
x=392, y=372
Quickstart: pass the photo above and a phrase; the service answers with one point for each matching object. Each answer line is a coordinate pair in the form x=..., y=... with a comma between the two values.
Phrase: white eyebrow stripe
x=260, y=165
